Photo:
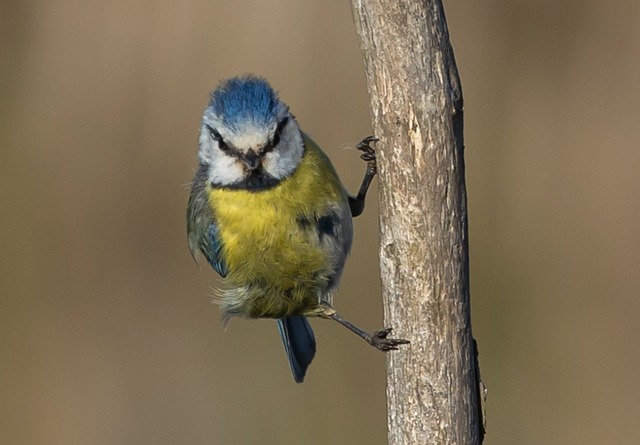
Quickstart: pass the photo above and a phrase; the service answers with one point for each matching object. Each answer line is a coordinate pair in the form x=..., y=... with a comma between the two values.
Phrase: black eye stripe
x=276, y=134
x=214, y=133
x=218, y=137
x=280, y=127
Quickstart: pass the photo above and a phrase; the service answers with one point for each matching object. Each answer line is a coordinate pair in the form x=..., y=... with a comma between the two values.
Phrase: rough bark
x=433, y=386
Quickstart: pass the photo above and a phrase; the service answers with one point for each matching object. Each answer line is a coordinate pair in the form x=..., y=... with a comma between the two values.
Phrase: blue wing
x=334, y=231
x=202, y=229
x=299, y=344
x=213, y=250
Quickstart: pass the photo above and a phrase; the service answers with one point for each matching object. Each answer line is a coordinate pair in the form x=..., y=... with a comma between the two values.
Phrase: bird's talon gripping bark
x=380, y=340
x=368, y=152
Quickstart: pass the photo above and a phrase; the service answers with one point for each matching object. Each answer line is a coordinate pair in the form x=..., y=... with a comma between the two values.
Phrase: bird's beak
x=252, y=160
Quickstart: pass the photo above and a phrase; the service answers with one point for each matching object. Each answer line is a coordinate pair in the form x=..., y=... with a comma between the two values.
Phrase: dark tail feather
x=299, y=344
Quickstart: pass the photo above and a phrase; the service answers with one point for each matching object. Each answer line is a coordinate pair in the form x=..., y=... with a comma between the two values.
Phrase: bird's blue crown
x=244, y=99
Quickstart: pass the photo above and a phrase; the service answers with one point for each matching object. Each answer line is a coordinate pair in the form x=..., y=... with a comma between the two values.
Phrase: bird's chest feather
x=266, y=235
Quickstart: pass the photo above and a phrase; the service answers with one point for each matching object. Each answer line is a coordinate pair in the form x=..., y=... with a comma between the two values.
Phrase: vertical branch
x=416, y=101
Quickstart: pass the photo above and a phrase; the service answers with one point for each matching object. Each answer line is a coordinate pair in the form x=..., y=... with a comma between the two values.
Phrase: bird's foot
x=368, y=152
x=380, y=340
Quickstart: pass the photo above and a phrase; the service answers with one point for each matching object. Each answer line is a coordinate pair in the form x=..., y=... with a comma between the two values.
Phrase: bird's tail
x=299, y=344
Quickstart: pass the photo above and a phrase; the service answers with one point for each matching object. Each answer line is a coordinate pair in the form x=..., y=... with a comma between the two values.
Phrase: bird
x=268, y=212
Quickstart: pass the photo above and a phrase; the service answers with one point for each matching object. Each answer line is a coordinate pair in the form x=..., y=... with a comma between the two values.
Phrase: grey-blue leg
x=379, y=339
x=356, y=204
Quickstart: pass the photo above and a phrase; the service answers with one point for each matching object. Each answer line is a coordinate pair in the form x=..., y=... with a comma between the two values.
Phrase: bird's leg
x=369, y=155
x=379, y=339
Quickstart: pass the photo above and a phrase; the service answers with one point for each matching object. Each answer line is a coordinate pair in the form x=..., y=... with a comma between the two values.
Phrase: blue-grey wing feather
x=338, y=243
x=299, y=344
x=334, y=232
x=202, y=229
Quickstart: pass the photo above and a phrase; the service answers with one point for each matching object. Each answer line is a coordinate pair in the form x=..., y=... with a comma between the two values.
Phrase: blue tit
x=270, y=215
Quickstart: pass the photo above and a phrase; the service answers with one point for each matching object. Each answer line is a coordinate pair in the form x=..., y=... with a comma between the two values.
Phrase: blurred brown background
x=107, y=332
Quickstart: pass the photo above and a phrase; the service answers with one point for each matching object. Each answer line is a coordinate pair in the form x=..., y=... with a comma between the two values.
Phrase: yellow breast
x=263, y=240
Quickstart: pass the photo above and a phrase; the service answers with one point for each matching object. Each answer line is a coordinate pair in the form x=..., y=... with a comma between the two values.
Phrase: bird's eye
x=222, y=145
x=266, y=149
x=275, y=141
x=218, y=137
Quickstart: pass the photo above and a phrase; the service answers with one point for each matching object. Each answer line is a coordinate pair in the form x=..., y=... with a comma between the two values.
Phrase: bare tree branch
x=433, y=387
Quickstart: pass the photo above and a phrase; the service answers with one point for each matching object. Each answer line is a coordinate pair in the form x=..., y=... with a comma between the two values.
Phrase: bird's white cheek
x=206, y=150
x=269, y=164
x=225, y=170
x=280, y=166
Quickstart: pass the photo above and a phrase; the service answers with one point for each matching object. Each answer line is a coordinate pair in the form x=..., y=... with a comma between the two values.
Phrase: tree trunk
x=433, y=386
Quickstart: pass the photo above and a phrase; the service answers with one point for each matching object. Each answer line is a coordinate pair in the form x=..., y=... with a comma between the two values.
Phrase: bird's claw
x=368, y=152
x=380, y=340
